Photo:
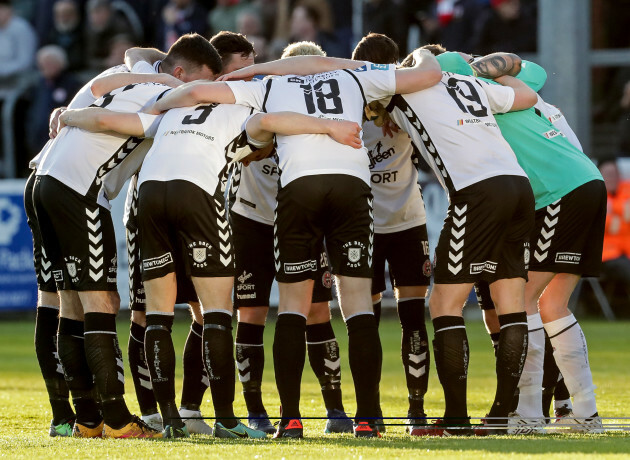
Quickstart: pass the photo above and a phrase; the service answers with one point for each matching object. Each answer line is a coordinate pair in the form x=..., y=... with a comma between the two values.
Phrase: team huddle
x=305, y=170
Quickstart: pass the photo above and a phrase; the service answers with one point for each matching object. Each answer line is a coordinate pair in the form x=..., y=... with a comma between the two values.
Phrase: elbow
x=97, y=88
x=531, y=99
x=266, y=122
x=435, y=76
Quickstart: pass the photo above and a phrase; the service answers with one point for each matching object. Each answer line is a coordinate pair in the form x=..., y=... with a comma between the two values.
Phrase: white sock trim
x=218, y=310
x=534, y=322
x=360, y=313
x=411, y=298
x=292, y=313
x=54, y=307
x=160, y=313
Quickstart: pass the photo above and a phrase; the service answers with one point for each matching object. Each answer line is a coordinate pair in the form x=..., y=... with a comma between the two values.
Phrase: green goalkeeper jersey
x=554, y=166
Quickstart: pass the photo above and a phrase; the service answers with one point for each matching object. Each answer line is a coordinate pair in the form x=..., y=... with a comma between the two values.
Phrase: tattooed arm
x=496, y=65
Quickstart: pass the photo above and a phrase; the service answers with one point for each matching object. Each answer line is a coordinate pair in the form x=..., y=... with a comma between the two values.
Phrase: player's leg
x=490, y=317
x=349, y=238
x=55, y=228
x=410, y=272
x=575, y=251
x=46, y=325
x=195, y=381
x=253, y=249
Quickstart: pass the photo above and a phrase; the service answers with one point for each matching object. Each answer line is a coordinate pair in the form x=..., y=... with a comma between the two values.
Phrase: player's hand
x=53, y=122
x=346, y=132
x=389, y=127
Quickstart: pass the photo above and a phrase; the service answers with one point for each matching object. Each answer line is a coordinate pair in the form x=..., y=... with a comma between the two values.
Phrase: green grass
x=25, y=413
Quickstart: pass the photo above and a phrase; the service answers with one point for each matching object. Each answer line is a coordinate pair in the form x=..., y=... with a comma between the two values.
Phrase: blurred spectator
x=180, y=17
x=510, y=25
x=248, y=23
x=615, y=257
x=457, y=23
x=67, y=32
x=55, y=88
x=17, y=44
x=25, y=9
x=306, y=25
x=117, y=47
x=101, y=27
x=223, y=16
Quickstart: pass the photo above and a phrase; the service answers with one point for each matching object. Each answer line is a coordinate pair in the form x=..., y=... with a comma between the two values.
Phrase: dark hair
x=435, y=49
x=376, y=48
x=227, y=43
x=193, y=51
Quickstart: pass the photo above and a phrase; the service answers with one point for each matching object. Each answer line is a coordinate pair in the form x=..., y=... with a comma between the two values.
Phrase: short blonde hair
x=302, y=49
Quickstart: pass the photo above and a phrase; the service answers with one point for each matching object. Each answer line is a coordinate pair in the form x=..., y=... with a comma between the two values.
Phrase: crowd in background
x=69, y=41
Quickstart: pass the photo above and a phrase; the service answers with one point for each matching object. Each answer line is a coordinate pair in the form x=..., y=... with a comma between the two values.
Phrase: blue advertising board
x=18, y=286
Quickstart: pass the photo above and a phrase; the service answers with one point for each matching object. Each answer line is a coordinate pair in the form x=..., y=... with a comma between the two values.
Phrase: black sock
x=219, y=360
x=140, y=370
x=561, y=392
x=550, y=377
x=377, y=311
x=451, y=354
x=289, y=354
x=160, y=353
x=494, y=337
x=511, y=356
x=366, y=358
x=250, y=359
x=70, y=344
x=323, y=355
x=195, y=378
x=415, y=351
x=105, y=360
x=46, y=326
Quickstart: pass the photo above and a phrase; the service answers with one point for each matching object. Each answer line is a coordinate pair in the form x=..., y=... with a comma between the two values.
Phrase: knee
x=253, y=315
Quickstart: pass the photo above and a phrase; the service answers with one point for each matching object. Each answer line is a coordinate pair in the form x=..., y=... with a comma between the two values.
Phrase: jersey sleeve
x=143, y=67
x=378, y=81
x=532, y=75
x=501, y=98
x=250, y=140
x=249, y=93
x=150, y=123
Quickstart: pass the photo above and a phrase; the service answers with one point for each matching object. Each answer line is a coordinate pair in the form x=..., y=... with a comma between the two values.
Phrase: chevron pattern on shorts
x=44, y=265
x=95, y=245
x=276, y=249
x=131, y=260
x=456, y=242
x=541, y=250
x=223, y=227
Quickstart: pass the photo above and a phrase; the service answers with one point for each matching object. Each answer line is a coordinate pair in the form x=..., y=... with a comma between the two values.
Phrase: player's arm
x=108, y=83
x=425, y=73
x=194, y=93
x=263, y=126
x=524, y=96
x=135, y=55
x=98, y=120
x=53, y=122
x=496, y=65
x=296, y=65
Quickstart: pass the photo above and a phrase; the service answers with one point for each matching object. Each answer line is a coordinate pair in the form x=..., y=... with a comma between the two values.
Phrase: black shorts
x=253, y=247
x=78, y=237
x=137, y=298
x=486, y=232
x=568, y=235
x=179, y=220
x=43, y=266
x=407, y=253
x=334, y=207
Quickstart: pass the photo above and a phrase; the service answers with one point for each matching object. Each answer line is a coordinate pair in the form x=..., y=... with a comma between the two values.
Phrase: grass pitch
x=25, y=413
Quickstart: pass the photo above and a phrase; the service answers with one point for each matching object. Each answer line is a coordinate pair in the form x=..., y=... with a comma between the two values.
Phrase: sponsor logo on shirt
x=363, y=68
x=379, y=66
x=383, y=177
x=157, y=262
x=487, y=266
x=555, y=117
x=295, y=80
x=301, y=267
x=469, y=121
x=377, y=155
x=568, y=257
x=552, y=133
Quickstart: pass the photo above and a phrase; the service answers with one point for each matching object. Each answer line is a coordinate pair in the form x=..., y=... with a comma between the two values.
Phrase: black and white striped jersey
x=98, y=164
x=453, y=126
x=339, y=95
